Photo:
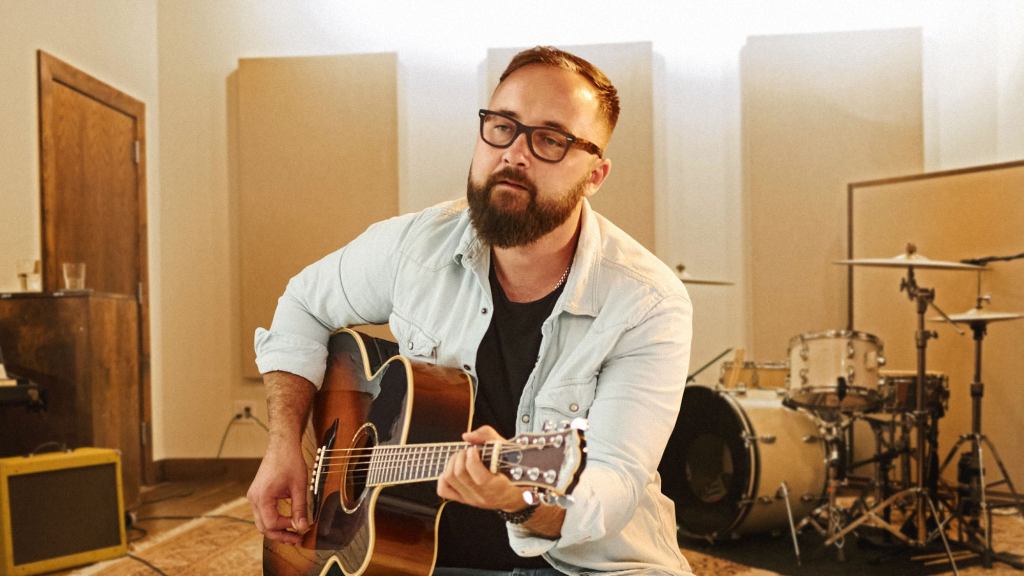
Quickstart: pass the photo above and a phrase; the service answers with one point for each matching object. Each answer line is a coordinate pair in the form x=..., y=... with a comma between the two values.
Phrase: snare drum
x=770, y=375
x=899, y=392
x=728, y=456
x=837, y=369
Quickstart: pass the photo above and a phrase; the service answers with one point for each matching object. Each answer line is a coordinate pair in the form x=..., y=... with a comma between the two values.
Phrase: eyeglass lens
x=545, y=143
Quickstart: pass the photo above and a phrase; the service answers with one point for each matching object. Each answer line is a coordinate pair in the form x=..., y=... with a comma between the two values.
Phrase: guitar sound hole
x=357, y=468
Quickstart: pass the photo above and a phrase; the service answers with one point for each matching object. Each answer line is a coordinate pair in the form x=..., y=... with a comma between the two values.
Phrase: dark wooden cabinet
x=82, y=348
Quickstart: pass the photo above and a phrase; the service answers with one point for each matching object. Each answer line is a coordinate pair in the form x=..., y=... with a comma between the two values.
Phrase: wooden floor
x=184, y=499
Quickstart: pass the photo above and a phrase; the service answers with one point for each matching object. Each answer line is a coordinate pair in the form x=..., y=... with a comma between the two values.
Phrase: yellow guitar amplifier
x=60, y=509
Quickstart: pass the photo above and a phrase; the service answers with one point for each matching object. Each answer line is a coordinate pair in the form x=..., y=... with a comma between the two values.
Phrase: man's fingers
x=256, y=516
x=268, y=518
x=299, y=521
x=481, y=435
x=475, y=467
x=283, y=536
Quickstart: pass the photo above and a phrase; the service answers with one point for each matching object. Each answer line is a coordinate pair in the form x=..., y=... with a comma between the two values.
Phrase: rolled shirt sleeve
x=350, y=286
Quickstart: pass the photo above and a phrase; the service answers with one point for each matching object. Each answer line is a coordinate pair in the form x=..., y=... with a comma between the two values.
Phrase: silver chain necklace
x=564, y=276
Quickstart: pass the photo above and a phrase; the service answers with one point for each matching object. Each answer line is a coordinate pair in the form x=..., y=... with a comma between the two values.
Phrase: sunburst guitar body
x=374, y=459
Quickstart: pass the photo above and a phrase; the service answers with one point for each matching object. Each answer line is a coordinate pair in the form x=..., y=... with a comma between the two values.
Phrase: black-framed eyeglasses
x=547, y=144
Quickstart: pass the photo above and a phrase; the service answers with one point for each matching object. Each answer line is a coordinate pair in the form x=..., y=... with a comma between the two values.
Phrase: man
x=555, y=313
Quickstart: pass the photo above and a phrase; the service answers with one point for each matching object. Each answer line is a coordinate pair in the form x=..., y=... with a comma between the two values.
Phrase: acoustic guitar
x=372, y=457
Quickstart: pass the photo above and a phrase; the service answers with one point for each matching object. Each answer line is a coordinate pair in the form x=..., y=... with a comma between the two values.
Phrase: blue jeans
x=441, y=571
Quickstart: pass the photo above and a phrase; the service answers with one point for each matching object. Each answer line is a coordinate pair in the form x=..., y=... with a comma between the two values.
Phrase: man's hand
x=467, y=479
x=282, y=474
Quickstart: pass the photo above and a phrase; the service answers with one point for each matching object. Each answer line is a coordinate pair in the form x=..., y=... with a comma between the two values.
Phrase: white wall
x=112, y=40
x=974, y=94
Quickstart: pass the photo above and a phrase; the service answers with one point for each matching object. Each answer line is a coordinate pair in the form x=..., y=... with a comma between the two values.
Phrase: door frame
x=54, y=71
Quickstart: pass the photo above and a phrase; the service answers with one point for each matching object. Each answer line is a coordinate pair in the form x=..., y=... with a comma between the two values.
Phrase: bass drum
x=728, y=456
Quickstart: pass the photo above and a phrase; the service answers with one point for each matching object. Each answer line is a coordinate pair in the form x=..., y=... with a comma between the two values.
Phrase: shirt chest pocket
x=413, y=341
x=564, y=401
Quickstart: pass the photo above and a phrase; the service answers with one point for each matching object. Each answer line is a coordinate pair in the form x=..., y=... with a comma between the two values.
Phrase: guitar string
x=405, y=466
x=384, y=461
x=371, y=452
x=459, y=445
x=411, y=450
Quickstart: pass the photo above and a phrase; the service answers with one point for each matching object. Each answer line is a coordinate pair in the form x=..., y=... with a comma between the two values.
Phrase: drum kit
x=787, y=444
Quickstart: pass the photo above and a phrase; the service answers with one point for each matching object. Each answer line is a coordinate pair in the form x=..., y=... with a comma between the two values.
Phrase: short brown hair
x=607, y=95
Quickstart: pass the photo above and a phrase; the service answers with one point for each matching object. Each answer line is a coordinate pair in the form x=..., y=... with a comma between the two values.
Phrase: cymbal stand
x=923, y=501
x=977, y=506
x=923, y=297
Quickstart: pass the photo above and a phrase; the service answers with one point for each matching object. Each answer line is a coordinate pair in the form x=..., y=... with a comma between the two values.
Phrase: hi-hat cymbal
x=910, y=259
x=979, y=315
x=688, y=279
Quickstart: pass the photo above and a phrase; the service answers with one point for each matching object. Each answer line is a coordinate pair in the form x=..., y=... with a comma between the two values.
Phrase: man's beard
x=501, y=222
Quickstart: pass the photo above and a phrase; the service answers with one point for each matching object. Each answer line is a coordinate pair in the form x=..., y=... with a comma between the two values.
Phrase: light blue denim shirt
x=615, y=350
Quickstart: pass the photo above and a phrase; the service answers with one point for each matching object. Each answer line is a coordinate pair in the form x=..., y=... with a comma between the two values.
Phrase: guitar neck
x=402, y=464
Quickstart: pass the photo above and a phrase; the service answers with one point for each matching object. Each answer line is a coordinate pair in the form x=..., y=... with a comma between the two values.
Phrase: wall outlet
x=243, y=410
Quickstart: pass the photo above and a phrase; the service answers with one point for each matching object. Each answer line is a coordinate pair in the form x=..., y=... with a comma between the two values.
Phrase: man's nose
x=518, y=152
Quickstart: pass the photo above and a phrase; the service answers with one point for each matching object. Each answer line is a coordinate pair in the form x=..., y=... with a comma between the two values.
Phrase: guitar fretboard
x=419, y=463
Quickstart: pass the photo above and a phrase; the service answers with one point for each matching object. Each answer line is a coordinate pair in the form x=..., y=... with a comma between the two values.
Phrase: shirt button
x=410, y=344
x=467, y=367
x=526, y=418
x=574, y=407
x=483, y=310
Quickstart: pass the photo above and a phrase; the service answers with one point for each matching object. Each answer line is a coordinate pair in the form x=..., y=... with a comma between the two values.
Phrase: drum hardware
x=924, y=489
x=749, y=438
x=973, y=507
x=693, y=377
x=830, y=513
x=784, y=489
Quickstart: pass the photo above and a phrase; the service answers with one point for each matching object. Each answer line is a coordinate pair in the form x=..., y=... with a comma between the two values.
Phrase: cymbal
x=909, y=259
x=979, y=315
x=688, y=279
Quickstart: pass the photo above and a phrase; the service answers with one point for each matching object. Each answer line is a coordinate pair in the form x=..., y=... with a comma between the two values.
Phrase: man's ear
x=598, y=174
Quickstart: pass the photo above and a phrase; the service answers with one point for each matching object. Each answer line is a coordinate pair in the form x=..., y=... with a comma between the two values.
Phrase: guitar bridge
x=321, y=464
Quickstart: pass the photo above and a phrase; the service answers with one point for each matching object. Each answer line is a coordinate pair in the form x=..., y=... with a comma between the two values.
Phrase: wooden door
x=92, y=153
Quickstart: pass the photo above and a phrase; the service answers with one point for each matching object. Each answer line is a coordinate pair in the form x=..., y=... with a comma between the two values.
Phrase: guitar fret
x=371, y=475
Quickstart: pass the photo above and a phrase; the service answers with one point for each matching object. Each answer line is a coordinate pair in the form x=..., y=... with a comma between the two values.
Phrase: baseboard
x=177, y=469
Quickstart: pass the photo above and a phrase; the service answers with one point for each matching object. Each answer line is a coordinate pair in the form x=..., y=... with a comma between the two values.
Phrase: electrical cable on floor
x=51, y=446
x=220, y=516
x=137, y=529
x=147, y=563
x=162, y=498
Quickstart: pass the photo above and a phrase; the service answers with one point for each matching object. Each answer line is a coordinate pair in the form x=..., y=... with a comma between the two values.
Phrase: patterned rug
x=201, y=547
x=218, y=546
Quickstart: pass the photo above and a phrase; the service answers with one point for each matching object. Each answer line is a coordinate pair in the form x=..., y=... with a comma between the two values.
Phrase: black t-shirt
x=471, y=537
